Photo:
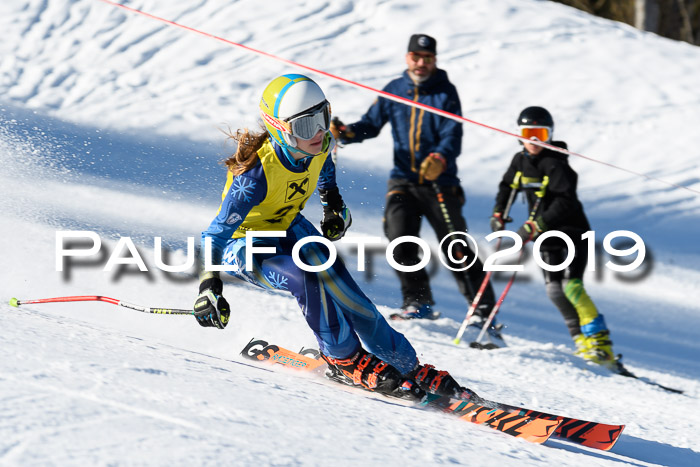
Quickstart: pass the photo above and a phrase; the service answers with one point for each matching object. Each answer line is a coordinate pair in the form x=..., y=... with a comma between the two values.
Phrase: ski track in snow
x=110, y=122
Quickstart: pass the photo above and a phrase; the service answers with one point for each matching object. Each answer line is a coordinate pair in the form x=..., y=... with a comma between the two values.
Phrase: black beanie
x=422, y=43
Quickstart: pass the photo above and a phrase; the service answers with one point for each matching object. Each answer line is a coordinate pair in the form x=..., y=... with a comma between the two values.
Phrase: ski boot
x=372, y=374
x=598, y=349
x=493, y=338
x=439, y=382
x=415, y=310
x=581, y=345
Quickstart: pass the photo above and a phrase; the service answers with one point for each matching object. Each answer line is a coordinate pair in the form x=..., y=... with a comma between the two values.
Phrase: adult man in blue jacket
x=424, y=177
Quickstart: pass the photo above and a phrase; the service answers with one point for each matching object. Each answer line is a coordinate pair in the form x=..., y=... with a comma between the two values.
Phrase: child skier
x=270, y=178
x=542, y=172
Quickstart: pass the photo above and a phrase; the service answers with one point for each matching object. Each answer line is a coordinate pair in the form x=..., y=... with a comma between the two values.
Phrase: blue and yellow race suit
x=270, y=197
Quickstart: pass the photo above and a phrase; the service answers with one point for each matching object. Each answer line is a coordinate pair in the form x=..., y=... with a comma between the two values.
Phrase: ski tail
x=306, y=359
x=621, y=370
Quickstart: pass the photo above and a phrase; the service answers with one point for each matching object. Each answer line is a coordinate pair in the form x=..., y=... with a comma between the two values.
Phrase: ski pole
x=443, y=207
x=533, y=213
x=497, y=306
x=477, y=298
x=448, y=220
x=99, y=298
x=475, y=302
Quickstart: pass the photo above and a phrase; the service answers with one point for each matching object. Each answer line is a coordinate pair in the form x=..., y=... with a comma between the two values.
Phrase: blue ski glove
x=211, y=309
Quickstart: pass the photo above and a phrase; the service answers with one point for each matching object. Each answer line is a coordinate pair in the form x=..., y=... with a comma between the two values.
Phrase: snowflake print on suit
x=277, y=280
x=242, y=188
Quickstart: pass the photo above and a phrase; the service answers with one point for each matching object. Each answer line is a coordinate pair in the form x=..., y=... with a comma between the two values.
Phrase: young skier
x=542, y=172
x=270, y=178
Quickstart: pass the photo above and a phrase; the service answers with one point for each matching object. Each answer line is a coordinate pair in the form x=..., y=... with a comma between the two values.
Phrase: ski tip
x=14, y=302
x=457, y=341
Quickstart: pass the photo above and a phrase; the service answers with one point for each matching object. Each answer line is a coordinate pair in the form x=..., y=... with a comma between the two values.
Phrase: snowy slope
x=111, y=122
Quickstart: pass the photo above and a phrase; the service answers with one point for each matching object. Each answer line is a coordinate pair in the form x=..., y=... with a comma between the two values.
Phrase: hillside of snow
x=112, y=122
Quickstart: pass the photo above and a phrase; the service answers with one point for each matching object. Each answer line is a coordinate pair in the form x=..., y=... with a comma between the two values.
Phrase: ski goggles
x=542, y=133
x=306, y=124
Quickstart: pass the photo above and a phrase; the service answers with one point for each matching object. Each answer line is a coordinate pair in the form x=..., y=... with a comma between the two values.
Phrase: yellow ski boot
x=599, y=350
x=581, y=345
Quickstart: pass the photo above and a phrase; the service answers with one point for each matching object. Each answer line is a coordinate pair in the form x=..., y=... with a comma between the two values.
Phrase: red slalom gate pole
x=497, y=306
x=99, y=298
x=515, y=186
x=475, y=303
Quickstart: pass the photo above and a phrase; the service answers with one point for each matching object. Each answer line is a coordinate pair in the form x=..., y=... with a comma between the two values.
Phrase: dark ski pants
x=407, y=204
x=565, y=287
x=335, y=308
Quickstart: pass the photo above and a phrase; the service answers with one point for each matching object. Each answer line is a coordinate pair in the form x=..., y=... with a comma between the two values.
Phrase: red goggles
x=541, y=133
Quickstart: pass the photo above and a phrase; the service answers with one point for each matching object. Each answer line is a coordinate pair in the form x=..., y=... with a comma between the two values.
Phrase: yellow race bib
x=287, y=192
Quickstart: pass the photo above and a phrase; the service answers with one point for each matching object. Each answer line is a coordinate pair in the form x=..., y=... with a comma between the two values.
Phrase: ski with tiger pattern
x=530, y=428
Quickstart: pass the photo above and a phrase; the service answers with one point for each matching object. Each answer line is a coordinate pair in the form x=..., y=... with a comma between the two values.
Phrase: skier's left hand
x=335, y=223
x=432, y=167
x=529, y=230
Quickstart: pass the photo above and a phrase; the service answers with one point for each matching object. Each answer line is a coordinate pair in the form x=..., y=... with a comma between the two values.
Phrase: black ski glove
x=531, y=229
x=497, y=222
x=335, y=224
x=336, y=216
x=211, y=308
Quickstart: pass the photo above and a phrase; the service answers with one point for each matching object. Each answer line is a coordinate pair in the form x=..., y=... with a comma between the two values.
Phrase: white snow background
x=111, y=122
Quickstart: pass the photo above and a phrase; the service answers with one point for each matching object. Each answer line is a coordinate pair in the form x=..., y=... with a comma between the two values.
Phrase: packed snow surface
x=112, y=122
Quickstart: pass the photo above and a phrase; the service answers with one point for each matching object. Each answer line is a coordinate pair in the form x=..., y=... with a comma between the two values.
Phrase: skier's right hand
x=497, y=222
x=211, y=309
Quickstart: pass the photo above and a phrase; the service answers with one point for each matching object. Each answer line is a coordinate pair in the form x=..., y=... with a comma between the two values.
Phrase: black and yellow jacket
x=560, y=208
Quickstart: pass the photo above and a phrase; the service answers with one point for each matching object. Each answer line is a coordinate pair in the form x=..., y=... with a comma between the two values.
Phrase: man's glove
x=531, y=229
x=497, y=222
x=432, y=167
x=340, y=131
x=211, y=308
x=336, y=216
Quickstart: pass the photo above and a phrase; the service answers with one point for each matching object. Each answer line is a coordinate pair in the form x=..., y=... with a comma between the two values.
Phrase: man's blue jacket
x=416, y=132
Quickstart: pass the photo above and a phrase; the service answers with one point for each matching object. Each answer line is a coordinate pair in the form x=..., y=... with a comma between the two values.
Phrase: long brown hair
x=246, y=155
